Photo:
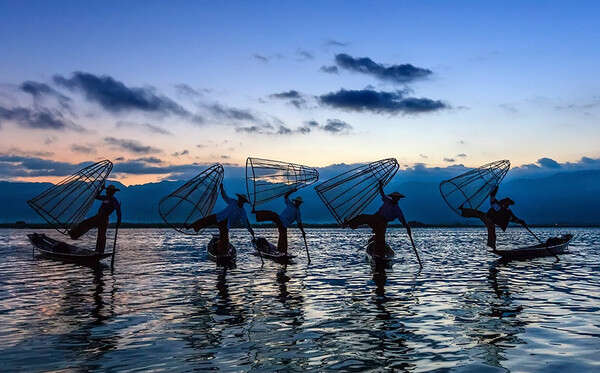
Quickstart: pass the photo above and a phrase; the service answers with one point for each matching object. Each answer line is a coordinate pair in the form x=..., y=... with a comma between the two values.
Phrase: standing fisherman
x=378, y=222
x=233, y=214
x=101, y=219
x=289, y=215
x=499, y=214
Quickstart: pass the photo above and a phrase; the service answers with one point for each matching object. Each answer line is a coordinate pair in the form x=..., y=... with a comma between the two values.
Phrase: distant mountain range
x=565, y=198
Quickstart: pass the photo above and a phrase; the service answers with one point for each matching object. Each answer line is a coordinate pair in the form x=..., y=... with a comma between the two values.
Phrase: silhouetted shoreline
x=414, y=224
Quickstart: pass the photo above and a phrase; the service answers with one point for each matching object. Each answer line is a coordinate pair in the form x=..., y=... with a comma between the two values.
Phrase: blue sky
x=511, y=80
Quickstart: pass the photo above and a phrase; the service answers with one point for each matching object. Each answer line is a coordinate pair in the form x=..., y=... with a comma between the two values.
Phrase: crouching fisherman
x=499, y=214
x=101, y=219
x=378, y=222
x=233, y=214
x=288, y=216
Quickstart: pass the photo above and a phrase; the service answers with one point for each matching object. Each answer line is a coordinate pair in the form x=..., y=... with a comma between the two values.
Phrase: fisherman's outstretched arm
x=404, y=222
x=381, y=192
x=300, y=225
x=249, y=227
x=287, y=195
x=515, y=219
x=225, y=196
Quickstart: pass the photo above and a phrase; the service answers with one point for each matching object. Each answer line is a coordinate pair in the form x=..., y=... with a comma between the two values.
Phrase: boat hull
x=269, y=251
x=558, y=246
x=62, y=251
x=224, y=260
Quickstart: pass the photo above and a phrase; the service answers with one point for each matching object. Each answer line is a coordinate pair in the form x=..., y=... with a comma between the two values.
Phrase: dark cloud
x=224, y=156
x=29, y=153
x=221, y=111
x=548, y=163
x=304, y=55
x=335, y=43
x=38, y=118
x=114, y=96
x=312, y=123
x=404, y=73
x=461, y=155
x=380, y=102
x=24, y=166
x=449, y=160
x=119, y=159
x=145, y=126
x=153, y=160
x=329, y=69
x=336, y=126
x=590, y=104
x=283, y=130
x=85, y=149
x=38, y=90
x=250, y=129
x=424, y=156
x=294, y=97
x=185, y=90
x=179, y=154
x=304, y=130
x=132, y=146
x=261, y=58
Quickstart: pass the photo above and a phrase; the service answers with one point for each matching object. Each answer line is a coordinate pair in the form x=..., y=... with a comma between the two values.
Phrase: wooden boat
x=269, y=251
x=553, y=246
x=224, y=260
x=375, y=258
x=63, y=251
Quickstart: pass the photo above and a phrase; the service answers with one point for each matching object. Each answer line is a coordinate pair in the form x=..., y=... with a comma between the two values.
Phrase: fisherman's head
x=395, y=196
x=111, y=190
x=297, y=201
x=241, y=199
x=506, y=202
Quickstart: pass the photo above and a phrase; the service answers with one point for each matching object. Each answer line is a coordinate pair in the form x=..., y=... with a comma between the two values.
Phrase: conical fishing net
x=267, y=180
x=349, y=193
x=193, y=200
x=472, y=188
x=65, y=204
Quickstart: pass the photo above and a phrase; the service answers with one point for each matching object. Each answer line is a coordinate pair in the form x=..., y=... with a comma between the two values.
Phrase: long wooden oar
x=112, y=259
x=306, y=246
x=540, y=241
x=415, y=250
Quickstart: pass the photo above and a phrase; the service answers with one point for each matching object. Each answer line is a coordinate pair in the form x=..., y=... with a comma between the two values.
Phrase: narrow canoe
x=59, y=250
x=269, y=251
x=553, y=246
x=373, y=257
x=226, y=259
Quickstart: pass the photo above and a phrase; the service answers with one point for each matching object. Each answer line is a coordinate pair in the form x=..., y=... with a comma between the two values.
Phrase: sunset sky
x=156, y=85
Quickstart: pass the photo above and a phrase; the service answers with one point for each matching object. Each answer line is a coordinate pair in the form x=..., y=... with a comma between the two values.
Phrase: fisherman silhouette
x=378, y=222
x=101, y=219
x=499, y=214
x=289, y=215
x=233, y=214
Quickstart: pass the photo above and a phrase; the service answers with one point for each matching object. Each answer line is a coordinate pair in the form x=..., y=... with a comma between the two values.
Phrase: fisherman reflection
x=101, y=219
x=499, y=214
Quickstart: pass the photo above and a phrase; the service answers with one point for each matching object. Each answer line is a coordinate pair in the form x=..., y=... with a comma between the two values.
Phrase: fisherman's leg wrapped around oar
x=266, y=215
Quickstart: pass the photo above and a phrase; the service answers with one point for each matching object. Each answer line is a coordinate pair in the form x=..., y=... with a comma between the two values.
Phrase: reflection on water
x=165, y=307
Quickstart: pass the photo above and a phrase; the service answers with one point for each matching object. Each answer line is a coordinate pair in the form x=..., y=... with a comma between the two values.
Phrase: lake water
x=166, y=308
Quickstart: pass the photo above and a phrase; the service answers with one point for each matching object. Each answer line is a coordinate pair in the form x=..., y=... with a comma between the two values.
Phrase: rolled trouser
x=209, y=221
x=489, y=224
x=101, y=238
x=96, y=221
x=266, y=215
x=378, y=225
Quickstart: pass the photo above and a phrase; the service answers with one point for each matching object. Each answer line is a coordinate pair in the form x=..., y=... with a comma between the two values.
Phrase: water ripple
x=166, y=308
